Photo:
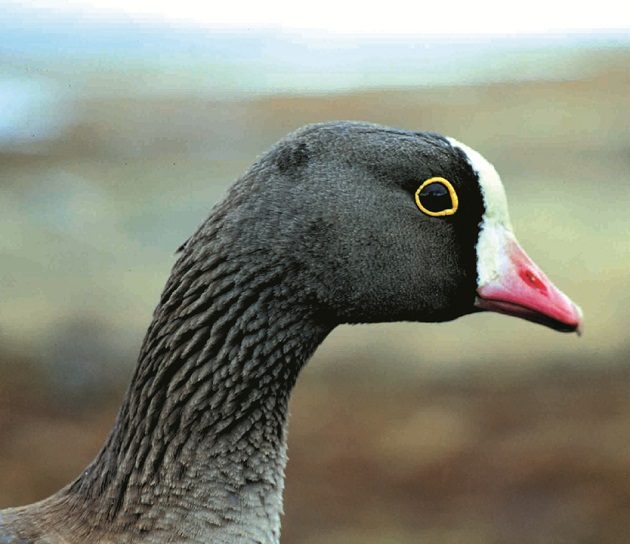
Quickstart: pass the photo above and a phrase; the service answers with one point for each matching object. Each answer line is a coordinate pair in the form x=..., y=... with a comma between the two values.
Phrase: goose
x=339, y=222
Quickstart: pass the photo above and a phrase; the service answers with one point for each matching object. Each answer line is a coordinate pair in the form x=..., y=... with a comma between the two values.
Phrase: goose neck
x=200, y=441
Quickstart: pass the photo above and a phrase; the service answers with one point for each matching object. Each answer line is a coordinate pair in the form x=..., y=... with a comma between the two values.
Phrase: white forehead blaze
x=495, y=229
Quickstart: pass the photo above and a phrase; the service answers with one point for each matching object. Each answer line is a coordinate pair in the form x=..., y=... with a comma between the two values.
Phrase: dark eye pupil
x=435, y=197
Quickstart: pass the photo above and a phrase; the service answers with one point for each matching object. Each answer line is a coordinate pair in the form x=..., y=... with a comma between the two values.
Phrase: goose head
x=376, y=224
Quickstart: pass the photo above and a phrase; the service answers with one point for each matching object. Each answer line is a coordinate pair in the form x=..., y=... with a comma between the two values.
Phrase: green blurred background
x=117, y=137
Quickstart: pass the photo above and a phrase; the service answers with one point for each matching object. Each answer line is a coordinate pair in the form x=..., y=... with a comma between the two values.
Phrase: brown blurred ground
x=487, y=430
x=479, y=459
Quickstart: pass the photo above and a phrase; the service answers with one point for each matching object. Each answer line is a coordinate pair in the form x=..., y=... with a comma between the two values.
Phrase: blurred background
x=121, y=124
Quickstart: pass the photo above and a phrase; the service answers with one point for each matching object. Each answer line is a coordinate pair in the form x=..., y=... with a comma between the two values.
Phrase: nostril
x=531, y=279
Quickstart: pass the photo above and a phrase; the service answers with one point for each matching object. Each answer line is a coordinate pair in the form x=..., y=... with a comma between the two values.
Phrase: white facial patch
x=495, y=229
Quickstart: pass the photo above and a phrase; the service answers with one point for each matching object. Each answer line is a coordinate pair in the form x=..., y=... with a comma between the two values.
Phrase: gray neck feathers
x=198, y=448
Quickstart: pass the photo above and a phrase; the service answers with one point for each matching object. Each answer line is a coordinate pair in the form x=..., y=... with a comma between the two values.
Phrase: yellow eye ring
x=451, y=192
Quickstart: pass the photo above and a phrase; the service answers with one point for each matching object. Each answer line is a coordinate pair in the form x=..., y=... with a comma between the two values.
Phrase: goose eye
x=437, y=197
